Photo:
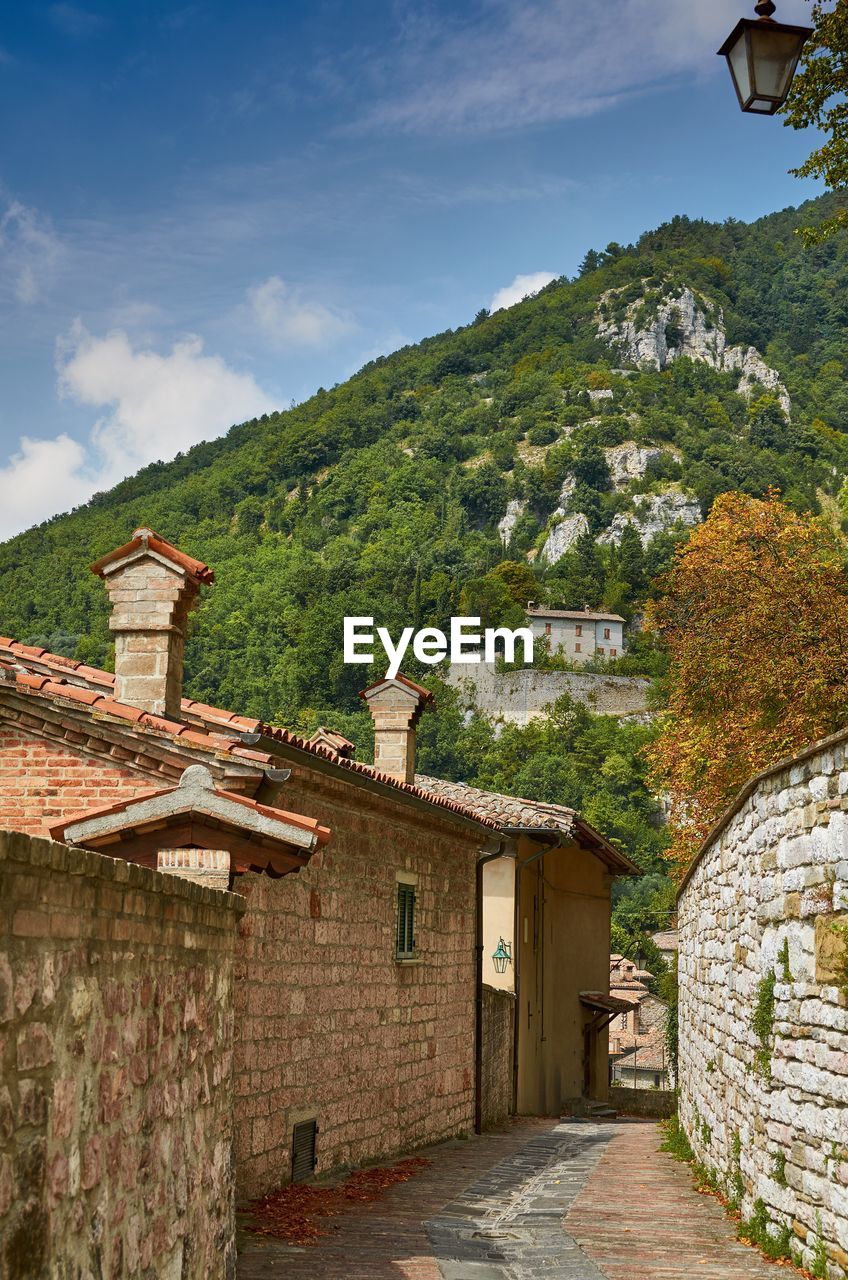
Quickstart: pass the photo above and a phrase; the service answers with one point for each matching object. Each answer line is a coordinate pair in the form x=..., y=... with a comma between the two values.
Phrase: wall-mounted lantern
x=502, y=956
x=762, y=55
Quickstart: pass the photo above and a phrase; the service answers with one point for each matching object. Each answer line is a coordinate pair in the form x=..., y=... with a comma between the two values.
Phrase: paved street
x=539, y=1201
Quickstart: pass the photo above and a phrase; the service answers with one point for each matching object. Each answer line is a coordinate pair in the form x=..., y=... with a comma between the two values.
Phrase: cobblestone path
x=538, y=1201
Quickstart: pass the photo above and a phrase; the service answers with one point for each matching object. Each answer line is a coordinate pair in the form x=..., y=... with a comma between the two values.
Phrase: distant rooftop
x=576, y=615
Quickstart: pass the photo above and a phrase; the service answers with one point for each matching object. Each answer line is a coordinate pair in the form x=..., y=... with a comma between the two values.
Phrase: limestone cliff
x=679, y=325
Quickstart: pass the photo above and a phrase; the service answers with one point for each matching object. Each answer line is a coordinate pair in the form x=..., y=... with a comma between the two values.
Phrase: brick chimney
x=396, y=707
x=153, y=586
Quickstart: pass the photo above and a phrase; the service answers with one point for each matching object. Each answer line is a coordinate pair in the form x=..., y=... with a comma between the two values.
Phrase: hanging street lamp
x=502, y=956
x=762, y=55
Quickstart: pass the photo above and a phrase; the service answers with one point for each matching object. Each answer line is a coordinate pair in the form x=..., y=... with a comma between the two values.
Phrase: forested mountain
x=558, y=448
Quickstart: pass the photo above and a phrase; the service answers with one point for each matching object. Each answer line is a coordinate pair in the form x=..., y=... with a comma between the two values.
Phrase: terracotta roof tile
x=321, y=833
x=147, y=538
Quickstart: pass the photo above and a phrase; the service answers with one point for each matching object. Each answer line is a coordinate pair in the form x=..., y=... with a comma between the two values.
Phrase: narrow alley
x=538, y=1201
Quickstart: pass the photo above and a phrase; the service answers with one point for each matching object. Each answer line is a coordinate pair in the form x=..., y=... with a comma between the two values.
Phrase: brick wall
x=42, y=782
x=116, y=989
x=328, y=1024
x=498, y=1049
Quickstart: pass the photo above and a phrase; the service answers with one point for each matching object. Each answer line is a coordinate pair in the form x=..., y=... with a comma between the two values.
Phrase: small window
x=303, y=1150
x=578, y=630
x=613, y=653
x=600, y=651
x=606, y=633
x=547, y=628
x=578, y=648
x=624, y=1022
x=405, y=946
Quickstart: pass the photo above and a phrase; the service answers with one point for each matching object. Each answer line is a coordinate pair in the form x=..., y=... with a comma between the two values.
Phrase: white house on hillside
x=578, y=635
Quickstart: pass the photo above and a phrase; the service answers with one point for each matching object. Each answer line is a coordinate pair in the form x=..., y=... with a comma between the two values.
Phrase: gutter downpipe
x=500, y=852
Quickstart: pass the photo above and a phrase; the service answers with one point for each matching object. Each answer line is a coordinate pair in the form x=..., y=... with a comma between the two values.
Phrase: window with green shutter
x=405, y=944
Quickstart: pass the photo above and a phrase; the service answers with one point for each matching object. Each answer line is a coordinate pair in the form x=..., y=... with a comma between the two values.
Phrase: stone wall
x=498, y=1050
x=764, y=1094
x=518, y=696
x=328, y=1023
x=659, y=1104
x=116, y=988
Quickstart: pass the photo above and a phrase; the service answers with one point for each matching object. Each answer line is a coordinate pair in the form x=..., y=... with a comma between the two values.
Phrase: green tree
x=817, y=100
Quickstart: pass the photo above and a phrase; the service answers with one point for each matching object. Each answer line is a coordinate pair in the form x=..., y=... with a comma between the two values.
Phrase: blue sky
x=208, y=210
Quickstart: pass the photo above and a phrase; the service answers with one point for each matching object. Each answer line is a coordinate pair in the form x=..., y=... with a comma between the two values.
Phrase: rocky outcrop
x=654, y=513
x=629, y=461
x=680, y=327
x=563, y=536
x=515, y=509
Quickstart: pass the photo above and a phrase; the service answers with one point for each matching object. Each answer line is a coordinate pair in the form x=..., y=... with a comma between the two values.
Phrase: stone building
x=763, y=920
x=578, y=635
x=637, y=1035
x=548, y=900
x=359, y=1006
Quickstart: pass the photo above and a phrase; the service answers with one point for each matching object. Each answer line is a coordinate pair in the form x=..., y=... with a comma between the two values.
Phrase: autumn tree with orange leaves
x=755, y=615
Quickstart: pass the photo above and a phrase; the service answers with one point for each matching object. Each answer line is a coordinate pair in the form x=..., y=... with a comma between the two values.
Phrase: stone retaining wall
x=498, y=1053
x=764, y=1091
x=660, y=1104
x=116, y=1018
x=519, y=696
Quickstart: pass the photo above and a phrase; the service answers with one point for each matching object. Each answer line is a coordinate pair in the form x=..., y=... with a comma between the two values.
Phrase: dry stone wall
x=497, y=1056
x=763, y=1075
x=116, y=1018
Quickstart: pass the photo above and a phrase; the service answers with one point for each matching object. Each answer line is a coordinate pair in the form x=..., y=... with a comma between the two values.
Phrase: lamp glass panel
x=738, y=59
x=774, y=55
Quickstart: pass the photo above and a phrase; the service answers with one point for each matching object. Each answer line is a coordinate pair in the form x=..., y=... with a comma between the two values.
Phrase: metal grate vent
x=303, y=1150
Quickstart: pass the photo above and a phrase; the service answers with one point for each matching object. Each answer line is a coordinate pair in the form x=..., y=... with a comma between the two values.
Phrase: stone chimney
x=153, y=586
x=396, y=707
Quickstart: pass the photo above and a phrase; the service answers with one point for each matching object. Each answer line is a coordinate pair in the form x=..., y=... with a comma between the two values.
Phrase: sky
x=209, y=210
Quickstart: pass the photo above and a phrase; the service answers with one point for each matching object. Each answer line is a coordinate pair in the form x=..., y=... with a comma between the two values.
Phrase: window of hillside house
x=624, y=1022
x=656, y=1080
x=600, y=651
x=578, y=630
x=613, y=653
x=547, y=628
x=606, y=633
x=578, y=648
x=405, y=938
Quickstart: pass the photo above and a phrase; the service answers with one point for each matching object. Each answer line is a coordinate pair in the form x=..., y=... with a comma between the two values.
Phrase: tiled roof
x=509, y=811
x=147, y=538
x=668, y=940
x=400, y=679
x=529, y=815
x=89, y=689
x=220, y=729
x=56, y=687
x=576, y=615
x=322, y=834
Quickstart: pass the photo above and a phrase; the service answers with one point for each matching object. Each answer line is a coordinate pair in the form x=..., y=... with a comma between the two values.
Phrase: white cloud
x=286, y=317
x=520, y=288
x=152, y=406
x=30, y=251
x=43, y=477
x=506, y=64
